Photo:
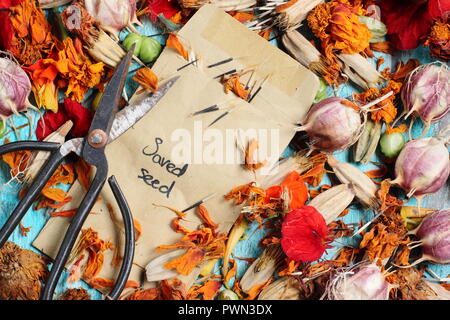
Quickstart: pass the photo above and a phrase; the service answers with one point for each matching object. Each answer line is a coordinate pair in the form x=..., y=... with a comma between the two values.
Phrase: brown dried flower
x=21, y=272
x=439, y=38
x=75, y=294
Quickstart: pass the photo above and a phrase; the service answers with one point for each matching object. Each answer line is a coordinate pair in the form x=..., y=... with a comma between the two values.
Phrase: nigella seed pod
x=426, y=93
x=112, y=15
x=434, y=235
x=332, y=125
x=422, y=167
x=15, y=87
x=360, y=282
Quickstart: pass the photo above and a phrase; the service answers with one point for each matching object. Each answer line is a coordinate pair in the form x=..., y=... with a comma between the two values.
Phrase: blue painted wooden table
x=245, y=248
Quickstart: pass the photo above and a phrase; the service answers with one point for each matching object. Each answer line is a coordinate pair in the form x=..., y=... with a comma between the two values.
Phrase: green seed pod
x=228, y=295
x=133, y=38
x=150, y=49
x=392, y=144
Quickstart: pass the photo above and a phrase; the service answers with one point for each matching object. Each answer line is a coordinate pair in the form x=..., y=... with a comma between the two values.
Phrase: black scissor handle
x=38, y=184
x=128, y=256
x=75, y=227
x=29, y=145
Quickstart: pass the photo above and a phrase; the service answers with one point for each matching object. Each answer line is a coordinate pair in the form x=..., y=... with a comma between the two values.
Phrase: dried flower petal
x=147, y=79
x=174, y=42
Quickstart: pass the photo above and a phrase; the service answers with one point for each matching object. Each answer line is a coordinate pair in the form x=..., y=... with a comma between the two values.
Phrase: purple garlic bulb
x=364, y=282
x=113, y=15
x=15, y=87
x=434, y=232
x=426, y=93
x=422, y=167
x=332, y=125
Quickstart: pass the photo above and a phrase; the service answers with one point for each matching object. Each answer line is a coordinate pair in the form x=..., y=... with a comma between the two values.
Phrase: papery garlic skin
x=422, y=167
x=426, y=93
x=434, y=232
x=113, y=15
x=15, y=87
x=331, y=125
x=367, y=283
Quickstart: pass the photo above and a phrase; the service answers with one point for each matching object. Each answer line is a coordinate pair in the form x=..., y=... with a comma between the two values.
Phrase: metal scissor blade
x=128, y=116
x=109, y=102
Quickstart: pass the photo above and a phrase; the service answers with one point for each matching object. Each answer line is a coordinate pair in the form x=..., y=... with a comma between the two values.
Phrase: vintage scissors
x=107, y=125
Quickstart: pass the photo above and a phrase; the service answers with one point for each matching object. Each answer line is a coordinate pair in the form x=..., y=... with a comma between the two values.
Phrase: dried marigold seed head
x=21, y=272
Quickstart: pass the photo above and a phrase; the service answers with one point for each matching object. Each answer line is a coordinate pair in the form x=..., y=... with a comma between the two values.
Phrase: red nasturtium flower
x=409, y=21
x=295, y=186
x=304, y=234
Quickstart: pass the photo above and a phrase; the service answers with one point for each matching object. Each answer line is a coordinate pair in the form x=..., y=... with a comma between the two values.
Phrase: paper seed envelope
x=175, y=159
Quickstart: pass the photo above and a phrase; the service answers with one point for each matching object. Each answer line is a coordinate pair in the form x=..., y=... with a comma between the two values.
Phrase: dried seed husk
x=235, y=234
x=226, y=5
x=303, y=51
x=208, y=267
x=102, y=48
x=38, y=158
x=332, y=202
x=155, y=270
x=377, y=28
x=298, y=162
x=364, y=187
x=292, y=16
x=360, y=70
x=262, y=269
x=46, y=4
x=285, y=288
x=366, y=146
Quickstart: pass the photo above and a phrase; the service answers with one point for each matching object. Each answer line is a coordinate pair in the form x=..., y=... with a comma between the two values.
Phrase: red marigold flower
x=304, y=234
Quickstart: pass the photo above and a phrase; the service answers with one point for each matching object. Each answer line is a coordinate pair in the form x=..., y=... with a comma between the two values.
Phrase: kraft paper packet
x=193, y=91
